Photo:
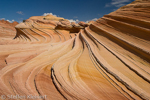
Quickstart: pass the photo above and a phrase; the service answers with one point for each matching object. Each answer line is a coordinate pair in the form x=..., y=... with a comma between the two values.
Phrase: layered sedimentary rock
x=7, y=31
x=108, y=59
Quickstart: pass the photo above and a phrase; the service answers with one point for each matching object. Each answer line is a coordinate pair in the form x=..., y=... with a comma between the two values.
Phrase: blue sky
x=82, y=10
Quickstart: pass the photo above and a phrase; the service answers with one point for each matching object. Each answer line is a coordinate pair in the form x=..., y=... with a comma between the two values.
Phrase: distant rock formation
x=8, y=23
x=35, y=26
x=7, y=31
x=107, y=59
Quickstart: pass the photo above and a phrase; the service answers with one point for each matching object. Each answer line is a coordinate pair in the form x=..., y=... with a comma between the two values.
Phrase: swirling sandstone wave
x=108, y=59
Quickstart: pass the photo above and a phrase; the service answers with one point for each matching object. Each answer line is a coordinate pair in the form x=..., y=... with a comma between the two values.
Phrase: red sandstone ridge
x=8, y=23
x=7, y=31
x=106, y=60
x=14, y=23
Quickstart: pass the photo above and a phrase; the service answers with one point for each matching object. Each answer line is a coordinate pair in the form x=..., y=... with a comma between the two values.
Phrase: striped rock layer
x=106, y=60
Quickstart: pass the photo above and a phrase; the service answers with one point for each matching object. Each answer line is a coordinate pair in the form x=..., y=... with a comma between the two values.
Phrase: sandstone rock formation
x=106, y=60
x=7, y=31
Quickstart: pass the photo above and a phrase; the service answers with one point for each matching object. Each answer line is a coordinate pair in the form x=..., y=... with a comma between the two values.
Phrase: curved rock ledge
x=108, y=59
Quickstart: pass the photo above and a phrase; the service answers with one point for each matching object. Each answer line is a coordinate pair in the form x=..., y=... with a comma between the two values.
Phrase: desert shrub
x=24, y=20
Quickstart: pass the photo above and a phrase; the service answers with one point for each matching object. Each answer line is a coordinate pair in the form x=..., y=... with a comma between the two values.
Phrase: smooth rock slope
x=108, y=59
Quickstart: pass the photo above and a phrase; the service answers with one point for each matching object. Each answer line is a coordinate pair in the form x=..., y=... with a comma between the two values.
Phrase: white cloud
x=75, y=17
x=91, y=20
x=87, y=21
x=7, y=20
x=2, y=18
x=49, y=14
x=108, y=5
x=20, y=12
x=117, y=3
x=10, y=20
x=76, y=21
x=120, y=5
x=114, y=9
x=94, y=19
x=20, y=21
x=71, y=20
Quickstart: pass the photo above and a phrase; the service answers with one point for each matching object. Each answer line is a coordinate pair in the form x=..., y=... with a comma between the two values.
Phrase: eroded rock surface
x=7, y=31
x=108, y=59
